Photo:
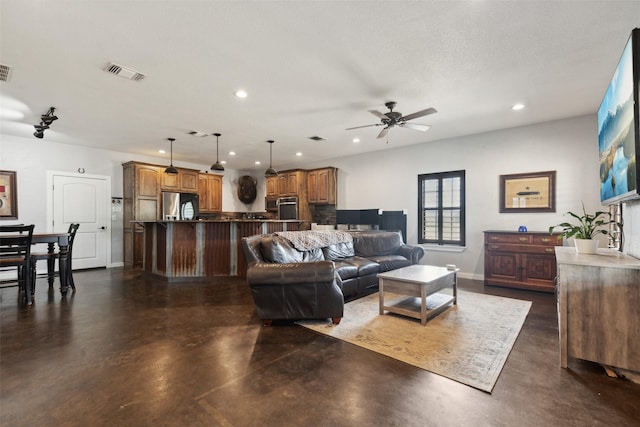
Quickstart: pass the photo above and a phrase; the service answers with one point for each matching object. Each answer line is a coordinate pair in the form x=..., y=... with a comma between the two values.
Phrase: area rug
x=468, y=343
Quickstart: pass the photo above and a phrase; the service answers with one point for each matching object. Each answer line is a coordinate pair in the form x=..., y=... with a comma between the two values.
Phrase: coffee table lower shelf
x=412, y=306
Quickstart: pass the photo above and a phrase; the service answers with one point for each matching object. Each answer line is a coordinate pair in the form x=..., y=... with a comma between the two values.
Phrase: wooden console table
x=598, y=299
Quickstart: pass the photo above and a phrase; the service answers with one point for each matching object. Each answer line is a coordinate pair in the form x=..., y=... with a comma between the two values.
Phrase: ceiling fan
x=394, y=118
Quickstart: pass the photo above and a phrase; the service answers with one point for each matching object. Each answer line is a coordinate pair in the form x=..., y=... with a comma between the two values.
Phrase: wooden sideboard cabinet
x=210, y=193
x=520, y=260
x=321, y=185
x=598, y=306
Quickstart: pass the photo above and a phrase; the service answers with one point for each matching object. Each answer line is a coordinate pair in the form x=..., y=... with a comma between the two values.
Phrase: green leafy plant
x=589, y=225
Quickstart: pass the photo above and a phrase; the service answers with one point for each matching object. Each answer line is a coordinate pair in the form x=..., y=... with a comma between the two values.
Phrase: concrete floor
x=125, y=350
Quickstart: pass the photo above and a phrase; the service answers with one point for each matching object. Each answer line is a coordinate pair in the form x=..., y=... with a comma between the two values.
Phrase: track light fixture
x=171, y=170
x=217, y=166
x=271, y=171
x=45, y=122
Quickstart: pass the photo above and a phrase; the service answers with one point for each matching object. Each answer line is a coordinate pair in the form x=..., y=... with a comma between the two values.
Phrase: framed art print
x=528, y=192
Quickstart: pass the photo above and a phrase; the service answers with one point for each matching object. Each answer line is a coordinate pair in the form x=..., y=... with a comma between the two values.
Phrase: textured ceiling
x=310, y=68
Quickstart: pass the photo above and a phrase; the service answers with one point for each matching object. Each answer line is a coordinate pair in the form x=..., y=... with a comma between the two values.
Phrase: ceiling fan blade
x=365, y=126
x=378, y=114
x=415, y=126
x=383, y=132
x=421, y=113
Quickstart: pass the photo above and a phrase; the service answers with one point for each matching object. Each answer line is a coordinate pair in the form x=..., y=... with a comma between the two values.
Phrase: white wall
x=31, y=158
x=384, y=179
x=388, y=180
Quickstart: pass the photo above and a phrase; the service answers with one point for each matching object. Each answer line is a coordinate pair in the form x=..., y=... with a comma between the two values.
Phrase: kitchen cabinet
x=141, y=201
x=210, y=193
x=598, y=299
x=321, y=185
x=185, y=181
x=272, y=186
x=521, y=260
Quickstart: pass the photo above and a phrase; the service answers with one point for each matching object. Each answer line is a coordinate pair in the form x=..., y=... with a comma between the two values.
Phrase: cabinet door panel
x=188, y=181
x=539, y=267
x=148, y=179
x=504, y=265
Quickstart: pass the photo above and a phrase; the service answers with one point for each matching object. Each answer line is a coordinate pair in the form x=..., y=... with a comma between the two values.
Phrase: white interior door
x=83, y=200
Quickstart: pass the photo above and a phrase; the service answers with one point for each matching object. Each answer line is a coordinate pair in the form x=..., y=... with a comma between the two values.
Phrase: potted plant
x=589, y=226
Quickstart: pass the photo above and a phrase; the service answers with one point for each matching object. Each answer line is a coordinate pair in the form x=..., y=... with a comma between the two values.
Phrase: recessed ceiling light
x=232, y=153
x=161, y=151
x=224, y=162
x=298, y=154
x=257, y=162
x=356, y=139
x=517, y=107
x=241, y=93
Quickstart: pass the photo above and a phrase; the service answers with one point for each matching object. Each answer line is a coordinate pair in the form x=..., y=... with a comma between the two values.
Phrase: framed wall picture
x=8, y=195
x=528, y=192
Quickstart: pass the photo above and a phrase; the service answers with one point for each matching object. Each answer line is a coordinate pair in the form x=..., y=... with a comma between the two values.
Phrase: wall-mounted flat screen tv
x=619, y=128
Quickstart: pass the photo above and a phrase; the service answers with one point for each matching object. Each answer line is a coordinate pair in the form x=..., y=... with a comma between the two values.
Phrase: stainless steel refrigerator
x=180, y=206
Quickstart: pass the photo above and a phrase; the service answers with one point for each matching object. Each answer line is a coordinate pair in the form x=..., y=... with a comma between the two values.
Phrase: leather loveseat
x=306, y=274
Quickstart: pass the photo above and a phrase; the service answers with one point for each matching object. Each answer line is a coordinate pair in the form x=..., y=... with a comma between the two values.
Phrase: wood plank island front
x=187, y=250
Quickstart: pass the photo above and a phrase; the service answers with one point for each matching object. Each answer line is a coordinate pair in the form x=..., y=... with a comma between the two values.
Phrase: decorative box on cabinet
x=321, y=185
x=598, y=300
x=210, y=193
x=520, y=260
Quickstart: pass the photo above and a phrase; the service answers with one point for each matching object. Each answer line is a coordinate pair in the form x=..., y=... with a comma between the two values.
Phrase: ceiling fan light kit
x=394, y=118
x=45, y=122
x=217, y=166
x=271, y=171
x=171, y=170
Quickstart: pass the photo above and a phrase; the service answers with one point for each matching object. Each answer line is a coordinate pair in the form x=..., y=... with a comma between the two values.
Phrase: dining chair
x=51, y=258
x=15, y=252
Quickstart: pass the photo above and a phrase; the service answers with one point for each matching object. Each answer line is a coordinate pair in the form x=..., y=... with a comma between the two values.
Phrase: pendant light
x=271, y=171
x=217, y=166
x=171, y=170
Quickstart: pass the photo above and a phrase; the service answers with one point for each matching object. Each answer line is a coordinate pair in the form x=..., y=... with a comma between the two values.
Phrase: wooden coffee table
x=415, y=283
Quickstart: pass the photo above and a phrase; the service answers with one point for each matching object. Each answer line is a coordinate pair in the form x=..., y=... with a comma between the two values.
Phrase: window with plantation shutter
x=441, y=218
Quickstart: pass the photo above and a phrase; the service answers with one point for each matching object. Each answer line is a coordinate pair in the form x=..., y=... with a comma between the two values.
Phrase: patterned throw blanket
x=312, y=239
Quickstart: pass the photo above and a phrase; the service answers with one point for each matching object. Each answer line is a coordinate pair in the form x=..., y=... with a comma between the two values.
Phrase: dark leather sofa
x=307, y=274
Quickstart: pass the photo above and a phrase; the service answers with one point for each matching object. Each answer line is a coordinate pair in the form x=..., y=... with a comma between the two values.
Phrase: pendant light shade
x=217, y=166
x=271, y=171
x=171, y=170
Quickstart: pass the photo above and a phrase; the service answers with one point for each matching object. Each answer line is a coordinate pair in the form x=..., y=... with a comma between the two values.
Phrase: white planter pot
x=586, y=246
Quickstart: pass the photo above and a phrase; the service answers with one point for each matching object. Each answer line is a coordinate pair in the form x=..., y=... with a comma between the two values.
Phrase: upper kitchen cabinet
x=185, y=181
x=272, y=186
x=210, y=193
x=321, y=185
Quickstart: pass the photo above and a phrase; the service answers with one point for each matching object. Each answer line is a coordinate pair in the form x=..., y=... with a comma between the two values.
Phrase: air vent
x=5, y=72
x=124, y=72
x=317, y=138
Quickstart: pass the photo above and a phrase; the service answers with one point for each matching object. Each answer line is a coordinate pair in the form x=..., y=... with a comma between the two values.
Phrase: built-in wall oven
x=287, y=208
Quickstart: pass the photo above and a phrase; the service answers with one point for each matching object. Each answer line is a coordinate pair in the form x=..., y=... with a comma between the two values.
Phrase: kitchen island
x=188, y=250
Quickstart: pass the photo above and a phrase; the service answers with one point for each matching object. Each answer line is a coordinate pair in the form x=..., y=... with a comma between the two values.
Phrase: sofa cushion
x=363, y=265
x=338, y=251
x=390, y=262
x=279, y=250
x=345, y=270
x=313, y=255
x=372, y=244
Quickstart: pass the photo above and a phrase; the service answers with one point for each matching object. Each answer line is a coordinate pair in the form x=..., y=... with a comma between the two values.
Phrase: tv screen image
x=618, y=132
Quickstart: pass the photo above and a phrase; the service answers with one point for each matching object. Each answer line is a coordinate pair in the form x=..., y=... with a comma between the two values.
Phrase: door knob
x=103, y=228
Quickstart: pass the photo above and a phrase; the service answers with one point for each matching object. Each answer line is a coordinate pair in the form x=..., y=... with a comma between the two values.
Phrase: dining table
x=62, y=240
